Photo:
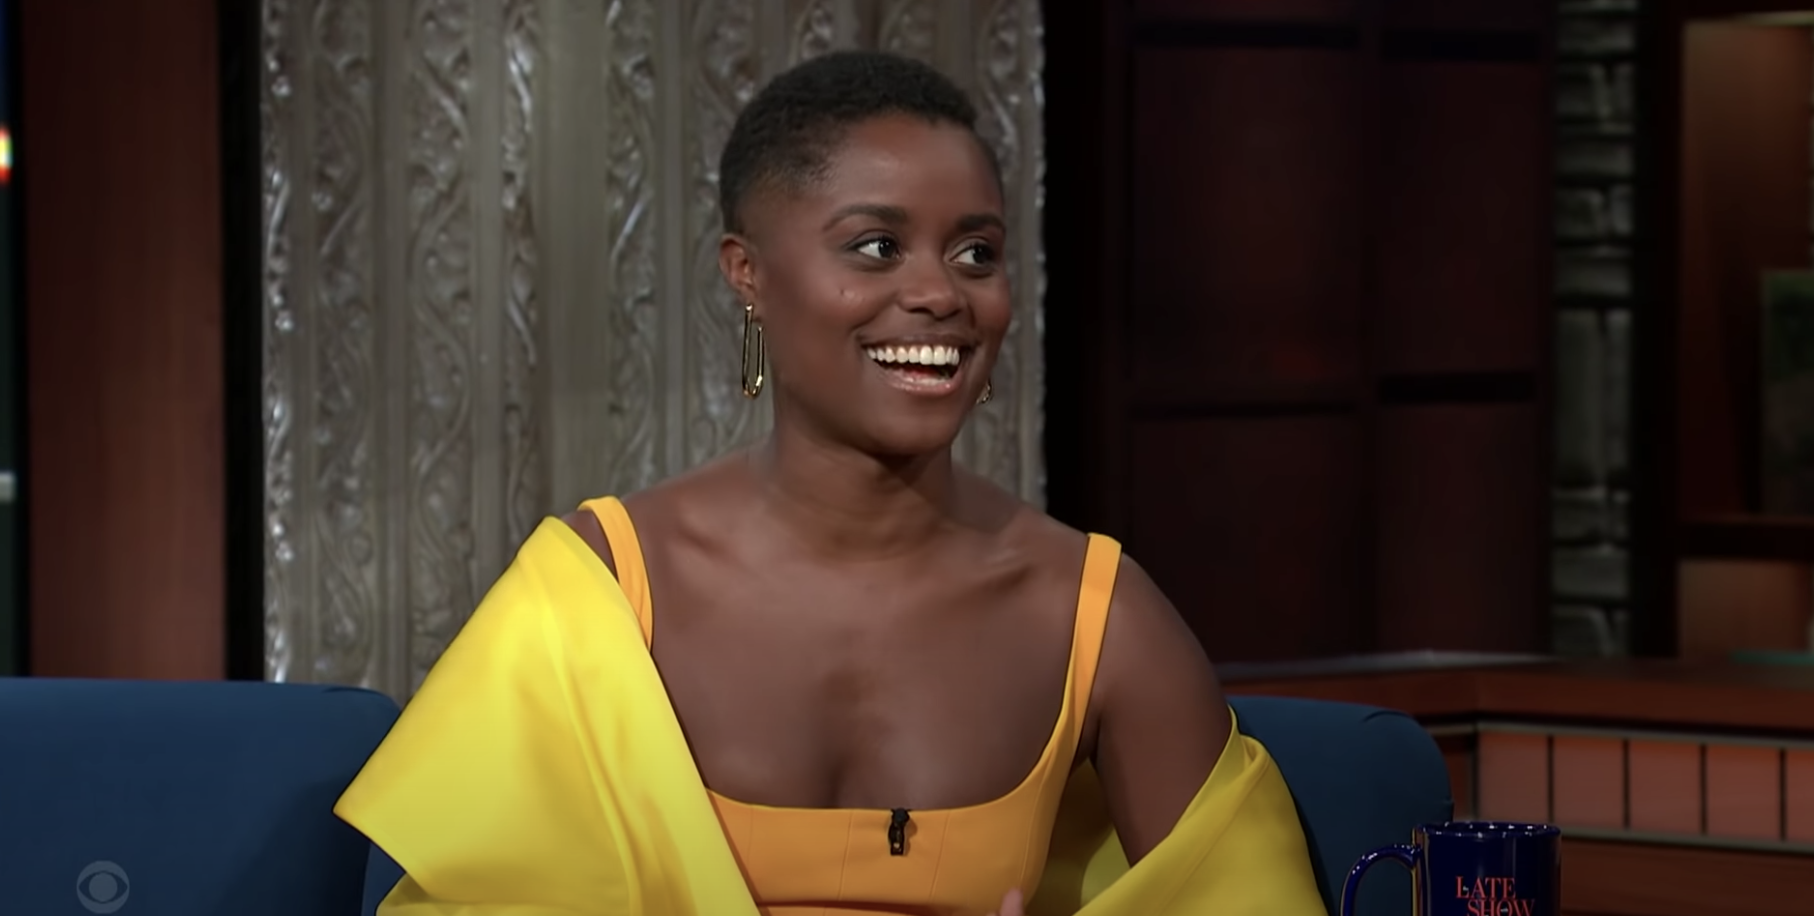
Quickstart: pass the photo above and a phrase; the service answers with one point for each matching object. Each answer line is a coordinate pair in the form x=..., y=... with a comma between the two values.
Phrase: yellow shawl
x=540, y=771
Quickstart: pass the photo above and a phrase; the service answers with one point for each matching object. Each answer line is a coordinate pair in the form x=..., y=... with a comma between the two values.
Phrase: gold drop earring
x=988, y=392
x=754, y=355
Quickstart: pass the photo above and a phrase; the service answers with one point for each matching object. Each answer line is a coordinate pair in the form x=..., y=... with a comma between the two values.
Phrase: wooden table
x=1683, y=790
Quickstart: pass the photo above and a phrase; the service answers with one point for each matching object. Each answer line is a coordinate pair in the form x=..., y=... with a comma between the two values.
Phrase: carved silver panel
x=725, y=70
x=491, y=284
x=1004, y=440
x=909, y=27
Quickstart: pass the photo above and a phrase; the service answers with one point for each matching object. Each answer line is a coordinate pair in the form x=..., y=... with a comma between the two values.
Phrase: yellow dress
x=540, y=770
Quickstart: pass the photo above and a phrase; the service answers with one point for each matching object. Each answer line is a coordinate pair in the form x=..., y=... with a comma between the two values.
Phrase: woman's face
x=881, y=287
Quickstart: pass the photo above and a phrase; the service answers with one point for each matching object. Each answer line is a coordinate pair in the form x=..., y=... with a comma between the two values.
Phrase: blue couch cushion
x=1362, y=777
x=182, y=799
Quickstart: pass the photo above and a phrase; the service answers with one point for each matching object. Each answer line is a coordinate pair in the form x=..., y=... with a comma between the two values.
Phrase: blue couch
x=214, y=799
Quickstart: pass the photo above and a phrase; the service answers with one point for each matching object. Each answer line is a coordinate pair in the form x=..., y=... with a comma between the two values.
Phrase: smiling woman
x=864, y=228
x=878, y=683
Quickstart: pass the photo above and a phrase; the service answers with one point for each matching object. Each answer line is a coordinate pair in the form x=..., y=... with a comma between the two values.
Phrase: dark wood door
x=1298, y=313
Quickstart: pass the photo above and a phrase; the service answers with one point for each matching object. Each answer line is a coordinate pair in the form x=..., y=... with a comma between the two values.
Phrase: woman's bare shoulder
x=658, y=510
x=1021, y=528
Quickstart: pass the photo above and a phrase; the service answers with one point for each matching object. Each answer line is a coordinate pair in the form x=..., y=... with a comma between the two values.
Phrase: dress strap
x=1101, y=561
x=626, y=555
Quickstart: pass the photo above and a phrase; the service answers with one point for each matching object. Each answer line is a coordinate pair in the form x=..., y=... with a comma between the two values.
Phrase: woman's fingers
x=1011, y=904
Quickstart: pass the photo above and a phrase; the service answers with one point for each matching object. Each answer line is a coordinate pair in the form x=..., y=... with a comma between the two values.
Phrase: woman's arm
x=1161, y=719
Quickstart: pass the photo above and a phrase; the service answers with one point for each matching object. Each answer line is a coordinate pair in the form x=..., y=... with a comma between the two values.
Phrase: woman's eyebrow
x=897, y=217
x=976, y=221
x=893, y=216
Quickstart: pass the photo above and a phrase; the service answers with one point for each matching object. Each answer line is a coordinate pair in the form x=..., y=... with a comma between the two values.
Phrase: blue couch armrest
x=1362, y=778
x=182, y=799
x=381, y=874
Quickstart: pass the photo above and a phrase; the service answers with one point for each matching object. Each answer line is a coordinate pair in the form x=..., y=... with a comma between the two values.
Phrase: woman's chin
x=903, y=437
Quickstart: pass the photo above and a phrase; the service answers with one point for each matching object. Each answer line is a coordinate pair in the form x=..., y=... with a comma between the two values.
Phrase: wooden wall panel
x=1588, y=782
x=1744, y=201
x=1730, y=605
x=1254, y=528
x=1663, y=787
x=1249, y=10
x=1489, y=15
x=1464, y=221
x=1460, y=508
x=1514, y=777
x=1743, y=791
x=119, y=163
x=1248, y=263
x=1317, y=224
x=1630, y=879
x=1798, y=796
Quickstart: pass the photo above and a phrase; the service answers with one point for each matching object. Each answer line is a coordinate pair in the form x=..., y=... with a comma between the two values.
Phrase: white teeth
x=922, y=355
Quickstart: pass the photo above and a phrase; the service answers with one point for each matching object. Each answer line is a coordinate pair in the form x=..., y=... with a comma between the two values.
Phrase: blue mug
x=1475, y=868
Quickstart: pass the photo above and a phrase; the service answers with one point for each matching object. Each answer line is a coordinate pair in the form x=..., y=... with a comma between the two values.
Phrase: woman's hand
x=1011, y=904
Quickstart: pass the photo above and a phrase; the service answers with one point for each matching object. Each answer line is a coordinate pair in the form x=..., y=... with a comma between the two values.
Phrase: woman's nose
x=931, y=289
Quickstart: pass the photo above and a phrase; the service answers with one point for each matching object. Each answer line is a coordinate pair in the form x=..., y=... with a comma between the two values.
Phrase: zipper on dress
x=897, y=832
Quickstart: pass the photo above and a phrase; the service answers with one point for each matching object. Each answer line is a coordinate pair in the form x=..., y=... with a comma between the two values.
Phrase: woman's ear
x=736, y=263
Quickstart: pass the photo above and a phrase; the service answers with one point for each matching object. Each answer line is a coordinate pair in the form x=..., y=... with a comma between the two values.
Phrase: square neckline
x=646, y=621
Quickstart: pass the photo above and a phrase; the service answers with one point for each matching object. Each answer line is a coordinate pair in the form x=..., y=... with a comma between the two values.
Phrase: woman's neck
x=844, y=503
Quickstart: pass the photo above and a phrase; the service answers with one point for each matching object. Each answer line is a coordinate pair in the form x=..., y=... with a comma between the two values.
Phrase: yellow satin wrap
x=540, y=771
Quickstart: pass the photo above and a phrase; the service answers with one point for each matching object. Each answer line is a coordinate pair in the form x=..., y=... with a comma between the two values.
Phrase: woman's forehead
x=921, y=170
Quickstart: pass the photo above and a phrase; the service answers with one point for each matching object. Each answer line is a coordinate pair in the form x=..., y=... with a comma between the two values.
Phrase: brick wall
x=1593, y=276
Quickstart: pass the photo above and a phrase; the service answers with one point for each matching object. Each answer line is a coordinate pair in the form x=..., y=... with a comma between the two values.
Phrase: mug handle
x=1403, y=855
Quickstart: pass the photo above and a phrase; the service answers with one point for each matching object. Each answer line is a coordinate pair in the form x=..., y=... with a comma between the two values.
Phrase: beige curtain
x=490, y=238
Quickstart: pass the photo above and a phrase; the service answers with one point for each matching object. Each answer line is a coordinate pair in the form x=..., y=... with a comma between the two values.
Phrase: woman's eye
x=977, y=255
x=885, y=249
